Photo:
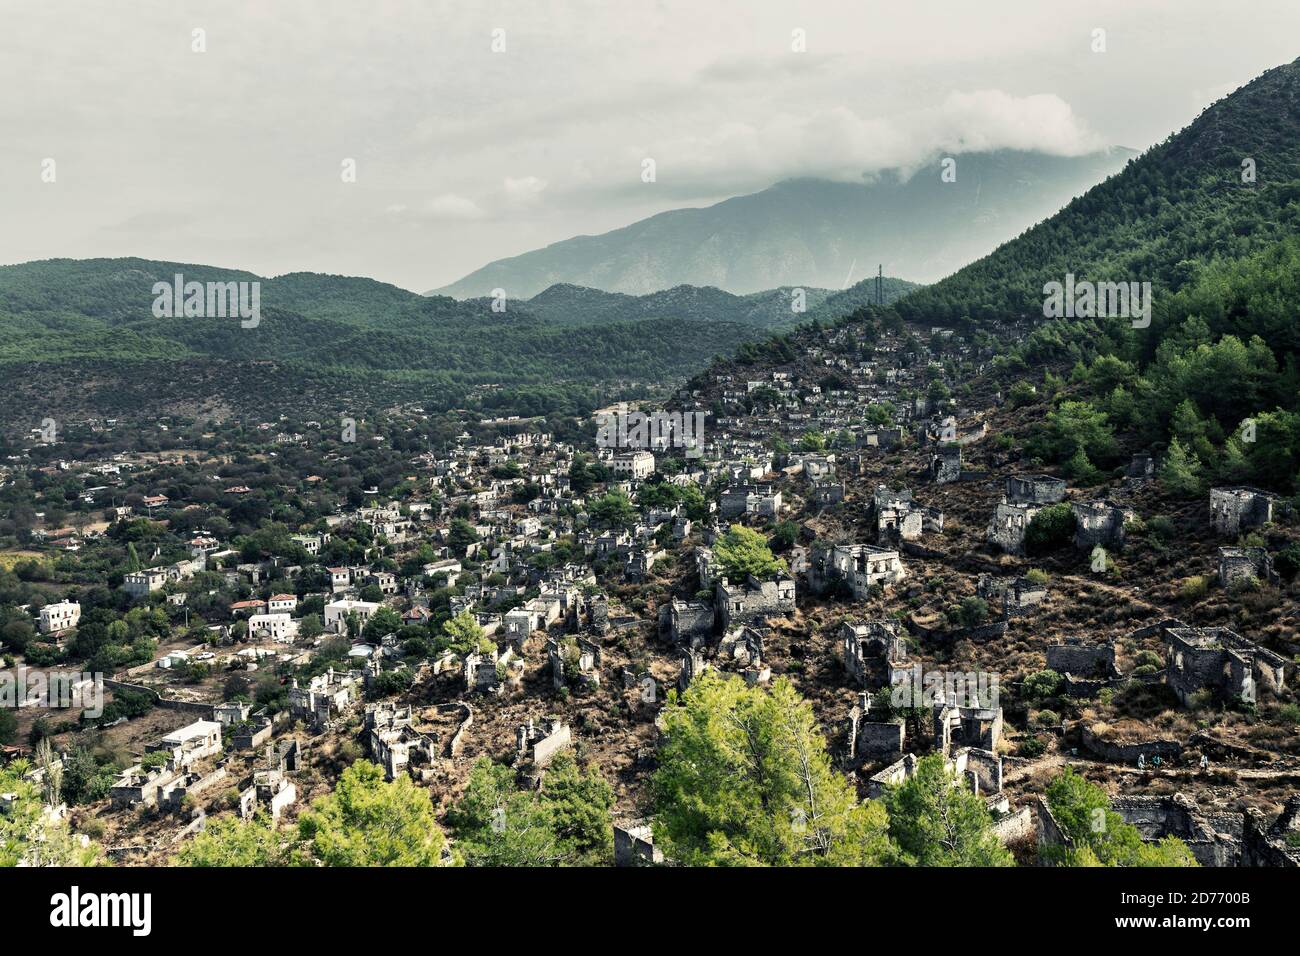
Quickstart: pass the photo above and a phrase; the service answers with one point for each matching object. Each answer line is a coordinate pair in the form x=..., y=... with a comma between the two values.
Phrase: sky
x=481, y=129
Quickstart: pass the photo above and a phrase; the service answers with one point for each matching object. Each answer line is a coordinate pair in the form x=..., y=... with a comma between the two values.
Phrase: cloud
x=524, y=191
x=839, y=143
x=449, y=207
x=991, y=119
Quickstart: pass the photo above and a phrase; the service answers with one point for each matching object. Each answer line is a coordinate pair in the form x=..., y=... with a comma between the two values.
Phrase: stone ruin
x=870, y=740
x=899, y=516
x=481, y=672
x=1100, y=524
x=271, y=789
x=980, y=770
x=251, y=733
x=1234, y=510
x=1087, y=668
x=1238, y=565
x=826, y=493
x=1082, y=659
x=1223, y=838
x=589, y=613
x=325, y=697
x=707, y=567
x=634, y=845
x=1009, y=523
x=872, y=651
x=1221, y=661
x=1026, y=495
x=1017, y=598
x=1275, y=844
x=1140, y=468
x=1035, y=489
x=945, y=465
x=540, y=742
x=858, y=567
x=394, y=743
x=575, y=658
x=743, y=647
x=958, y=726
x=693, y=665
x=754, y=601
x=286, y=756
x=686, y=622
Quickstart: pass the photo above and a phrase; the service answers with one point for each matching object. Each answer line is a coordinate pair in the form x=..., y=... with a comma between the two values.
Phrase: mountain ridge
x=811, y=232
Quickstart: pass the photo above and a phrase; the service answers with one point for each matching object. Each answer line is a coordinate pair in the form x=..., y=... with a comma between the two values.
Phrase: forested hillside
x=1213, y=384
x=80, y=336
x=1182, y=204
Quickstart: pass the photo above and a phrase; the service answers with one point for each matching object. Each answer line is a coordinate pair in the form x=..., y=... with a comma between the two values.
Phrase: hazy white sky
x=233, y=156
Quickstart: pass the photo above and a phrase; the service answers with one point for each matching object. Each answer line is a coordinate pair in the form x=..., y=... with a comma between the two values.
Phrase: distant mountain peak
x=807, y=232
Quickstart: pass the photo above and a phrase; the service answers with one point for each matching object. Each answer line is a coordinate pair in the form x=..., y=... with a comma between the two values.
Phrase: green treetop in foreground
x=938, y=824
x=1100, y=835
x=366, y=821
x=31, y=833
x=565, y=823
x=742, y=551
x=744, y=780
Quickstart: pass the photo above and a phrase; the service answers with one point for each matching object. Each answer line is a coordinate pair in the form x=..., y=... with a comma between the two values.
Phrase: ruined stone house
x=1009, y=523
x=1234, y=510
x=1221, y=661
x=870, y=740
x=1035, y=489
x=872, y=651
x=1238, y=565
x=1081, y=659
x=754, y=600
x=856, y=566
x=1100, y=524
x=686, y=622
x=540, y=741
x=945, y=464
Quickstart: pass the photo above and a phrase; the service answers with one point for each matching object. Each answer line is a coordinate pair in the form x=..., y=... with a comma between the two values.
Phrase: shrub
x=1149, y=657
x=1162, y=527
x=1246, y=585
x=1022, y=393
x=1289, y=713
x=1042, y=685
x=1032, y=747
x=972, y=612
x=1287, y=562
x=1201, y=700
x=1047, y=718
x=1050, y=529
x=154, y=760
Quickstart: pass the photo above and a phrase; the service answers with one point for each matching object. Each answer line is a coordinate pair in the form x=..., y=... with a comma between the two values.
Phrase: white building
x=635, y=465
x=282, y=603
x=60, y=617
x=336, y=613
x=183, y=747
x=311, y=542
x=280, y=628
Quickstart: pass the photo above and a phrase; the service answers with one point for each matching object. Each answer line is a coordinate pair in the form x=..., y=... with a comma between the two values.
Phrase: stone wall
x=1129, y=753
x=1082, y=660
